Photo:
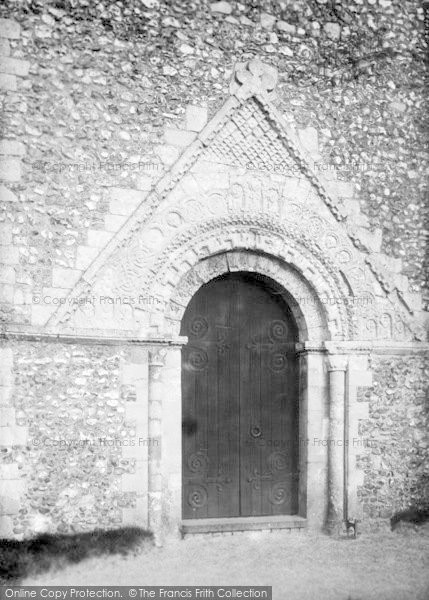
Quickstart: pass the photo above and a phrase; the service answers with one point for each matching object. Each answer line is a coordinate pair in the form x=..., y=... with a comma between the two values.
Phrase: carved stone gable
x=248, y=140
x=246, y=183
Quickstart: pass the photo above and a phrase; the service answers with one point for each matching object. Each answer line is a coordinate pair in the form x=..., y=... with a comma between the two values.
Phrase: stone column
x=172, y=448
x=337, y=386
x=313, y=421
x=156, y=364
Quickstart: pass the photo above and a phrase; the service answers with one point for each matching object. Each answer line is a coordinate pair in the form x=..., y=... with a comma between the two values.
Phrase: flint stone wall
x=81, y=414
x=396, y=459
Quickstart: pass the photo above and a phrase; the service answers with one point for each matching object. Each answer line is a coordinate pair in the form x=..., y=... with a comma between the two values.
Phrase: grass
x=19, y=559
x=300, y=566
x=387, y=565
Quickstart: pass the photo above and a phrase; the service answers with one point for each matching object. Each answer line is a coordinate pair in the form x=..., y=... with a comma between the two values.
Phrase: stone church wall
x=70, y=435
x=99, y=102
x=395, y=461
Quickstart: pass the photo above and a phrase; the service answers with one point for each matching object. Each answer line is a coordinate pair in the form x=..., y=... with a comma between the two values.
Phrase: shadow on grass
x=413, y=515
x=38, y=554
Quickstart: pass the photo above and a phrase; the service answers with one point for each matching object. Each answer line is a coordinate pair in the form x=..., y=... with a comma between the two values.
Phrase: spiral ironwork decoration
x=278, y=330
x=198, y=327
x=197, y=497
x=198, y=462
x=278, y=493
x=277, y=362
x=277, y=461
x=198, y=359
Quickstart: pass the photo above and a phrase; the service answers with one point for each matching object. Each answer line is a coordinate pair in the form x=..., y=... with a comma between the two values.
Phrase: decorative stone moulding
x=285, y=279
x=226, y=181
x=253, y=77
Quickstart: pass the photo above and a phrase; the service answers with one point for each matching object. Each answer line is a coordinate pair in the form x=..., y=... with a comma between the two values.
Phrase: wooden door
x=240, y=402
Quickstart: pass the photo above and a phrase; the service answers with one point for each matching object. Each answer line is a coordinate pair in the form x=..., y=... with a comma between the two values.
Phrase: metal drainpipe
x=351, y=525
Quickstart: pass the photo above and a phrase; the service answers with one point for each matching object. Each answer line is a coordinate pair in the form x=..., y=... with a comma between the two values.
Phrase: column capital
x=337, y=362
x=157, y=356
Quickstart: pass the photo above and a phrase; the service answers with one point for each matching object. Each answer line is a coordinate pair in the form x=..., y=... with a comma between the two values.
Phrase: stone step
x=219, y=525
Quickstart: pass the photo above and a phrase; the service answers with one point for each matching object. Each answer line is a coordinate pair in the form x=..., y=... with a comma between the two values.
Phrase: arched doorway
x=240, y=401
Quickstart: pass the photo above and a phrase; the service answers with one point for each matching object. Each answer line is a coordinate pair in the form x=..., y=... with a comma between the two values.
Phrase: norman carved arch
x=311, y=317
x=206, y=252
x=212, y=248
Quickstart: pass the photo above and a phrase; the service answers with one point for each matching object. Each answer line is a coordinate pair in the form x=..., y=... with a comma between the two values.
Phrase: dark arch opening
x=240, y=400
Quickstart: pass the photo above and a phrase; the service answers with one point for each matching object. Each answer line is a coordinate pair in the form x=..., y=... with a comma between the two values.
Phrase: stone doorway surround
x=312, y=325
x=224, y=205
x=323, y=391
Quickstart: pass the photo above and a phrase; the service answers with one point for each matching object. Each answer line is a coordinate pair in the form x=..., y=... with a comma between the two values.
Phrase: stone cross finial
x=253, y=77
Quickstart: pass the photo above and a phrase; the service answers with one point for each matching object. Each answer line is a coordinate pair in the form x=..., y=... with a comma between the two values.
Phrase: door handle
x=255, y=431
